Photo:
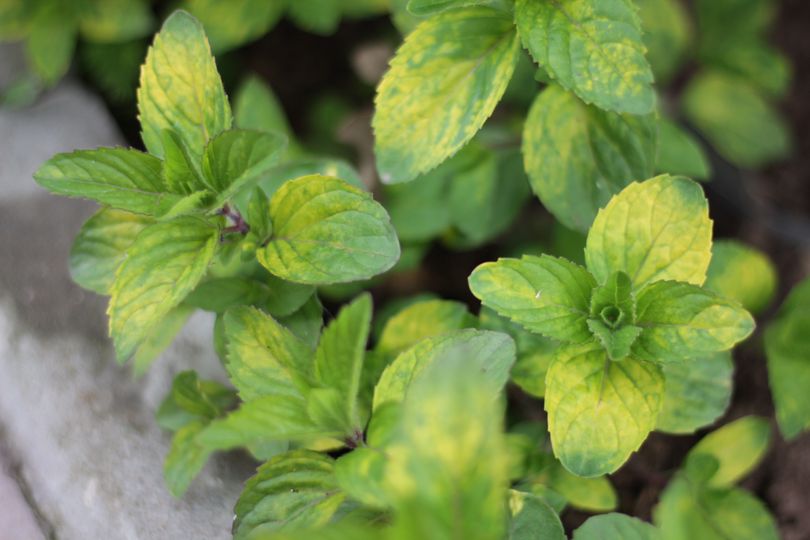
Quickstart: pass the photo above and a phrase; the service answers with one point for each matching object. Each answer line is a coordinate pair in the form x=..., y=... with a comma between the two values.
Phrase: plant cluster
x=392, y=426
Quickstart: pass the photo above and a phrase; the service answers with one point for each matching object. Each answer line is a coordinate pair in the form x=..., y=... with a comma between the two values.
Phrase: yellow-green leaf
x=654, y=230
x=738, y=448
x=101, y=246
x=180, y=88
x=696, y=392
x=600, y=411
x=544, y=294
x=787, y=341
x=713, y=101
x=119, y=177
x=682, y=321
x=163, y=265
x=491, y=353
x=264, y=358
x=531, y=518
x=444, y=82
x=591, y=47
x=421, y=320
x=115, y=20
x=615, y=527
x=742, y=273
x=578, y=156
x=327, y=231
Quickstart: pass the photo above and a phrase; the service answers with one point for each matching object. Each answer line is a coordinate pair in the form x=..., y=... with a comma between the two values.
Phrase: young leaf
x=680, y=153
x=490, y=353
x=264, y=358
x=450, y=445
x=181, y=89
x=786, y=341
x=339, y=358
x=682, y=321
x=532, y=518
x=444, y=82
x=696, y=392
x=163, y=265
x=712, y=103
x=182, y=171
x=742, y=273
x=544, y=294
x=591, y=47
x=236, y=158
x=578, y=156
x=327, y=231
x=738, y=447
x=599, y=411
x=654, y=230
x=122, y=178
x=291, y=490
x=615, y=527
x=101, y=246
x=192, y=399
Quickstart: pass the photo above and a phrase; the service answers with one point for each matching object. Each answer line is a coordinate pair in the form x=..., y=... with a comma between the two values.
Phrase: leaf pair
x=452, y=70
x=637, y=306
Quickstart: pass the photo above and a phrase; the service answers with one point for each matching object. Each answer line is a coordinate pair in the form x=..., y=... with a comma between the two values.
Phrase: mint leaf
x=422, y=8
x=122, y=178
x=786, y=341
x=450, y=443
x=339, y=359
x=599, y=411
x=578, y=156
x=444, y=82
x=115, y=20
x=544, y=294
x=682, y=321
x=236, y=22
x=668, y=35
x=654, y=230
x=182, y=171
x=163, y=265
x=327, y=231
x=590, y=494
x=615, y=527
x=680, y=153
x=532, y=518
x=421, y=320
x=491, y=353
x=257, y=107
x=260, y=421
x=181, y=89
x=591, y=47
x=712, y=102
x=101, y=246
x=738, y=448
x=277, y=297
x=742, y=273
x=236, y=158
x=159, y=338
x=265, y=358
x=185, y=459
x=269, y=502
x=696, y=392
x=360, y=473
x=51, y=41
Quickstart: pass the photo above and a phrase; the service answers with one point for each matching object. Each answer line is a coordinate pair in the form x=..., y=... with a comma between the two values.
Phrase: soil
x=769, y=209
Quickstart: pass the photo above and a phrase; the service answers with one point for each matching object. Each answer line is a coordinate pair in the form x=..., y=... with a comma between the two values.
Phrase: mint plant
x=392, y=419
x=636, y=307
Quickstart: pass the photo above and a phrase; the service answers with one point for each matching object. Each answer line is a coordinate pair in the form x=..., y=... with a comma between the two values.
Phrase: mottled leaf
x=599, y=411
x=444, y=82
x=591, y=47
x=654, y=230
x=742, y=273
